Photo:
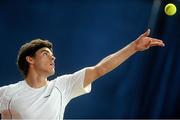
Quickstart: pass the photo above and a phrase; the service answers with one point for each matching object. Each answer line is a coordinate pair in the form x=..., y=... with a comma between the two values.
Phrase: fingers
x=154, y=42
x=147, y=33
x=157, y=43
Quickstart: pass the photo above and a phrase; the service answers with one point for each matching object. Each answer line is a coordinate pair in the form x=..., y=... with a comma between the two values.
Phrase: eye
x=45, y=53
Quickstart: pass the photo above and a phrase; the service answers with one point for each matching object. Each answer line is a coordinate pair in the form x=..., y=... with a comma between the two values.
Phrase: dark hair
x=29, y=49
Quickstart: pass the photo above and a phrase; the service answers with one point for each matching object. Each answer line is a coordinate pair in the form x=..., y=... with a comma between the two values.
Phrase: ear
x=29, y=59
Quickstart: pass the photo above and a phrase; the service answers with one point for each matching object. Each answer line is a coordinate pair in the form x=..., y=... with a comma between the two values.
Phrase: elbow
x=100, y=70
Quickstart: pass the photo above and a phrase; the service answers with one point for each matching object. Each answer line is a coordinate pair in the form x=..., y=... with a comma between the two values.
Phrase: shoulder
x=9, y=90
x=74, y=75
x=66, y=80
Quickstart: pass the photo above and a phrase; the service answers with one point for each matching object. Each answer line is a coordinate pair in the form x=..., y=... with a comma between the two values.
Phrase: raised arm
x=110, y=62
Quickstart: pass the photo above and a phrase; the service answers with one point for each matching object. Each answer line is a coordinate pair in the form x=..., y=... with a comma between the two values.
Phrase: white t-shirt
x=21, y=101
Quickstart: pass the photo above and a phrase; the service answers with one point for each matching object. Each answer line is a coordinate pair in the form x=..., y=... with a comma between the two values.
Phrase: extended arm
x=110, y=62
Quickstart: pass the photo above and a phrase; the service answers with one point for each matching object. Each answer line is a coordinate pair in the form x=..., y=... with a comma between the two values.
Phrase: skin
x=109, y=63
x=42, y=65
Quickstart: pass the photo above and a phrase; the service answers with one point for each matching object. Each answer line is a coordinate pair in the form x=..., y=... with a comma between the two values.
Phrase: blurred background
x=85, y=31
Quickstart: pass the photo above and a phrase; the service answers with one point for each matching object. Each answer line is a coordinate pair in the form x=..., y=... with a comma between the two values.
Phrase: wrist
x=133, y=46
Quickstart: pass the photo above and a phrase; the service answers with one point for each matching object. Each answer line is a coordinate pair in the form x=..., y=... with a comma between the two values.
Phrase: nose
x=53, y=57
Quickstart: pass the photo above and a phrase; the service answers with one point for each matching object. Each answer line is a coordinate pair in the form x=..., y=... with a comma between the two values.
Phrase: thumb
x=147, y=33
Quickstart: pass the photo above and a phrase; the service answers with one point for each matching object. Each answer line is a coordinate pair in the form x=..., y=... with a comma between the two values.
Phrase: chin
x=51, y=73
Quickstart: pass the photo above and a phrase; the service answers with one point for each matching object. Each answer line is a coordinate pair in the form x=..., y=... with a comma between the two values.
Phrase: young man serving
x=36, y=97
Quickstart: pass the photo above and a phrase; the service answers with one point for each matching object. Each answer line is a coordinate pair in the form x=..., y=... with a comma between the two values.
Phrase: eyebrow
x=46, y=51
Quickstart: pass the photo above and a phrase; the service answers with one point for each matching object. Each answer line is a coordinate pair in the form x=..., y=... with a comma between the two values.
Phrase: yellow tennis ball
x=170, y=9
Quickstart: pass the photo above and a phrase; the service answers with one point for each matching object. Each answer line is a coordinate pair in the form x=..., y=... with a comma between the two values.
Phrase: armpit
x=5, y=115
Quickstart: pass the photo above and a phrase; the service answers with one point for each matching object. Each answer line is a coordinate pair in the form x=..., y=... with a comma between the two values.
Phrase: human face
x=44, y=62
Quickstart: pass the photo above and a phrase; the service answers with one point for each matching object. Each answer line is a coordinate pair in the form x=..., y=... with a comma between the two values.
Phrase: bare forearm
x=112, y=61
x=107, y=64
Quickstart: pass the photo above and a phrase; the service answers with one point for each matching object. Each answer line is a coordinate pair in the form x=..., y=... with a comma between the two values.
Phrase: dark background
x=85, y=31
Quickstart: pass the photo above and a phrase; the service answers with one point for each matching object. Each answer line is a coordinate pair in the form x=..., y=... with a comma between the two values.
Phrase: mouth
x=52, y=64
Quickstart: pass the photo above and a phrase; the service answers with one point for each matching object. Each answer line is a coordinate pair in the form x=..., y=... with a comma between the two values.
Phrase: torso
x=32, y=103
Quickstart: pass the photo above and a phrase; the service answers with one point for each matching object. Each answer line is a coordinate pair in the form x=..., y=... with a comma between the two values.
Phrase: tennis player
x=36, y=97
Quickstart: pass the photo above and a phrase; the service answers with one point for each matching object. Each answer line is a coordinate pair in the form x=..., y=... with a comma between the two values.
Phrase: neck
x=36, y=80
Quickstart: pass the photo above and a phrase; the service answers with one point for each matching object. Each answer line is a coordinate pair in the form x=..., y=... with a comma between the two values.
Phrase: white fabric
x=49, y=102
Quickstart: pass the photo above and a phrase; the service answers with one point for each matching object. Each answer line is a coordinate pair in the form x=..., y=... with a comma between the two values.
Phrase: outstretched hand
x=144, y=42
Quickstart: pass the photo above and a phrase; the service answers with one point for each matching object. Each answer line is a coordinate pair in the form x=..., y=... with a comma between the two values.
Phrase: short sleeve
x=2, y=98
x=72, y=84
